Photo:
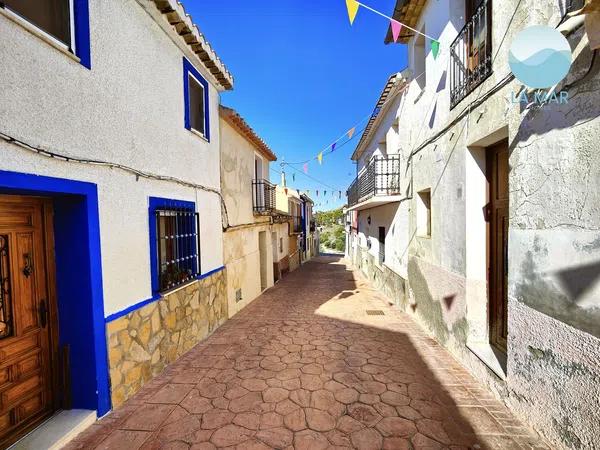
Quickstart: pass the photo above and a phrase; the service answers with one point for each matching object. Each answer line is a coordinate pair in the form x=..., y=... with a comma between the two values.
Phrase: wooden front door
x=497, y=166
x=28, y=334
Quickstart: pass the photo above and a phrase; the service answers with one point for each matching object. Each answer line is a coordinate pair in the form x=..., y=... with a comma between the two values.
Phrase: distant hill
x=333, y=237
x=331, y=217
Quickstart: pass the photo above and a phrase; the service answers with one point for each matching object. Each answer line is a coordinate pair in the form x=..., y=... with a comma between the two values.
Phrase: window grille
x=471, y=54
x=178, y=245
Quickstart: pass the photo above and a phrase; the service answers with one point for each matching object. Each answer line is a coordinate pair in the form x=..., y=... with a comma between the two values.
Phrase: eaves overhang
x=233, y=118
x=407, y=12
x=175, y=14
x=394, y=82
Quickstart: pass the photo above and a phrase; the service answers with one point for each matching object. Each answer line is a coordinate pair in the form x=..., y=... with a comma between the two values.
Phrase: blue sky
x=303, y=76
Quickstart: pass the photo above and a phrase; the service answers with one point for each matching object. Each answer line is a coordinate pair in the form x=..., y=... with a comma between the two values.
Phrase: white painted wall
x=554, y=251
x=127, y=109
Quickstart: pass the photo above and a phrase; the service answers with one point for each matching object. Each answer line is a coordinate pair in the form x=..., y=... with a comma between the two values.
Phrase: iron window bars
x=263, y=196
x=381, y=176
x=297, y=223
x=178, y=244
x=471, y=54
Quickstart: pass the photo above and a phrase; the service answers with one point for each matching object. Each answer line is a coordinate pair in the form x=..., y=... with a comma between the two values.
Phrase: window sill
x=164, y=294
x=200, y=135
x=491, y=357
x=37, y=32
x=424, y=236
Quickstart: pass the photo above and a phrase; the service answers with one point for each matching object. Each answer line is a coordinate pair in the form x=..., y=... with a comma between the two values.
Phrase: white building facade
x=488, y=236
x=109, y=163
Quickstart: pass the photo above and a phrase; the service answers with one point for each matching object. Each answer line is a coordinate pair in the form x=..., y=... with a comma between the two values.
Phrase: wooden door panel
x=498, y=170
x=27, y=346
x=24, y=286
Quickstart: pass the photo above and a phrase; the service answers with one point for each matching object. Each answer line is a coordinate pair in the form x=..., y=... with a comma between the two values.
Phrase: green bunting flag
x=435, y=48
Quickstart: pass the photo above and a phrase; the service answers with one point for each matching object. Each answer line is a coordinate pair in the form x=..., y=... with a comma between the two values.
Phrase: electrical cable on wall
x=138, y=173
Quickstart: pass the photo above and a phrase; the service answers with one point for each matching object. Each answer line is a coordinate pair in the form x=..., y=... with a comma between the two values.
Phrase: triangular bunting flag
x=286, y=190
x=320, y=157
x=293, y=177
x=435, y=48
x=352, y=6
x=351, y=132
x=324, y=192
x=333, y=146
x=396, y=27
x=317, y=192
x=306, y=168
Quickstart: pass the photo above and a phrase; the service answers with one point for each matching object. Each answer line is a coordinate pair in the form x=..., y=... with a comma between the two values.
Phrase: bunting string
x=352, y=6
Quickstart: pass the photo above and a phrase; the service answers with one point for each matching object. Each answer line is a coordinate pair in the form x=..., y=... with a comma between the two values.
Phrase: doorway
x=28, y=317
x=275, y=256
x=381, y=245
x=497, y=216
x=262, y=250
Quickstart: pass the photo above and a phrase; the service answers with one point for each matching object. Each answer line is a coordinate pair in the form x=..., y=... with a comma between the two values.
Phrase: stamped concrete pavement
x=319, y=361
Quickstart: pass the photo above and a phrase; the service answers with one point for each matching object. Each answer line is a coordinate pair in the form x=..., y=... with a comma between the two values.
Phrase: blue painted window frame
x=81, y=31
x=81, y=16
x=154, y=204
x=189, y=69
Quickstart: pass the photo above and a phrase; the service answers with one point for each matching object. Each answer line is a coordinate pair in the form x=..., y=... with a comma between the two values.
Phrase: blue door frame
x=78, y=279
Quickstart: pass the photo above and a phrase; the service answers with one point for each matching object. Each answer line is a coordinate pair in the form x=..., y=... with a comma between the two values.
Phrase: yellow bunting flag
x=320, y=157
x=351, y=132
x=352, y=6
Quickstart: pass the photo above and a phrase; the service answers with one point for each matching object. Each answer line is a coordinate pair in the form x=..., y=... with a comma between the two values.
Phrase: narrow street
x=306, y=366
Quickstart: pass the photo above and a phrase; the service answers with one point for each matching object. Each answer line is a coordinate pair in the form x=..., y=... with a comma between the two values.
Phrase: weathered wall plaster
x=552, y=371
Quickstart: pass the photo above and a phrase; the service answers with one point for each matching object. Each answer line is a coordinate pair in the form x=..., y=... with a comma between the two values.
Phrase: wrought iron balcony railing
x=263, y=197
x=380, y=177
x=471, y=54
x=296, y=224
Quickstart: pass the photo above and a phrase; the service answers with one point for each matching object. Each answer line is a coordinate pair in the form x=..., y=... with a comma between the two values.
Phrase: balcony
x=380, y=178
x=471, y=54
x=263, y=197
x=296, y=224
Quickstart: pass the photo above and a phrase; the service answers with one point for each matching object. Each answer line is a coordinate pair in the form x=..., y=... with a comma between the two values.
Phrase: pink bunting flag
x=396, y=27
x=351, y=132
x=305, y=168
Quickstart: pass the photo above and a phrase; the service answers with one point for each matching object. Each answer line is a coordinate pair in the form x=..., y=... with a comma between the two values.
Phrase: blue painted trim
x=208, y=274
x=22, y=183
x=188, y=68
x=154, y=298
x=132, y=308
x=81, y=18
x=155, y=203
